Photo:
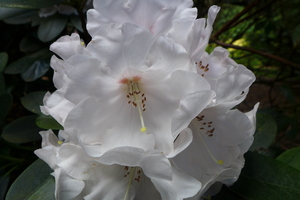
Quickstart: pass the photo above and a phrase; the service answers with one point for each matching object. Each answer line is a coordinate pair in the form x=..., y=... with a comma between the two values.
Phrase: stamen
x=59, y=142
x=203, y=130
x=220, y=162
x=129, y=183
x=136, y=98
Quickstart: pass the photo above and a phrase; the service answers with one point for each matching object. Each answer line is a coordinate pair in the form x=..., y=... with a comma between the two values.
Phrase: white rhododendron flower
x=146, y=84
x=121, y=173
x=146, y=112
x=220, y=140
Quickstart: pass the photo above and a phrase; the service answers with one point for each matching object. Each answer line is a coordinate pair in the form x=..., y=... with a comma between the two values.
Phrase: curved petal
x=66, y=187
x=156, y=16
x=57, y=105
x=99, y=133
x=67, y=46
x=180, y=187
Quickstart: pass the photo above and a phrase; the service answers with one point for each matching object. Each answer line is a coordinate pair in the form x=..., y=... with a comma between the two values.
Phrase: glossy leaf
x=22, y=130
x=33, y=101
x=266, y=130
x=34, y=71
x=11, y=12
x=6, y=100
x=34, y=183
x=48, y=122
x=291, y=157
x=26, y=61
x=76, y=22
x=3, y=60
x=29, y=3
x=265, y=178
x=51, y=27
x=22, y=18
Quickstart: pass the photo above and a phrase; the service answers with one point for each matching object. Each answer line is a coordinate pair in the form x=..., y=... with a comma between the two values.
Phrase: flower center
x=207, y=129
x=202, y=67
x=135, y=97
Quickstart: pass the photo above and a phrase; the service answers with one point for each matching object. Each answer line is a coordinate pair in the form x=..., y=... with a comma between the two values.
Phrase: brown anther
x=129, y=102
x=144, y=109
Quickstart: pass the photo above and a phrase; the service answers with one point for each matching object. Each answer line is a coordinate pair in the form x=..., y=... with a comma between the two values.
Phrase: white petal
x=99, y=130
x=181, y=186
x=66, y=187
x=67, y=46
x=156, y=16
x=57, y=105
x=149, y=161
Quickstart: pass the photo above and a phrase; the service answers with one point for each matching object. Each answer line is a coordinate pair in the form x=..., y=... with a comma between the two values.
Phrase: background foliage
x=262, y=35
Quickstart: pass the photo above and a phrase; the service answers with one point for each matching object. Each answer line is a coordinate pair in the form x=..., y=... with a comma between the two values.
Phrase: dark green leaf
x=2, y=84
x=6, y=100
x=29, y=3
x=51, y=27
x=11, y=12
x=22, y=18
x=35, y=71
x=265, y=131
x=226, y=194
x=76, y=22
x=296, y=35
x=26, y=61
x=33, y=101
x=22, y=130
x=48, y=122
x=264, y=178
x=4, y=181
x=29, y=44
x=3, y=60
x=291, y=157
x=34, y=183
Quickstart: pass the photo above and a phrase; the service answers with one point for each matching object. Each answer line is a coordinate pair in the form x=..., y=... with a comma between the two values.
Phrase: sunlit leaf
x=48, y=122
x=33, y=101
x=26, y=61
x=265, y=131
x=29, y=3
x=265, y=178
x=34, y=183
x=291, y=157
x=6, y=100
x=22, y=130
x=3, y=60
x=34, y=71
x=51, y=27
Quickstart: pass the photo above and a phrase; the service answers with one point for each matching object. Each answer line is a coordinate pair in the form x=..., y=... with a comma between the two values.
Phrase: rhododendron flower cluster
x=146, y=112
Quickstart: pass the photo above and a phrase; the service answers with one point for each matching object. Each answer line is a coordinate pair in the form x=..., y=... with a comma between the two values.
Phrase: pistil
x=136, y=98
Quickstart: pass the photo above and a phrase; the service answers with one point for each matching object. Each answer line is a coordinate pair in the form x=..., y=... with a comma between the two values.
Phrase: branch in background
x=234, y=19
x=252, y=14
x=267, y=55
